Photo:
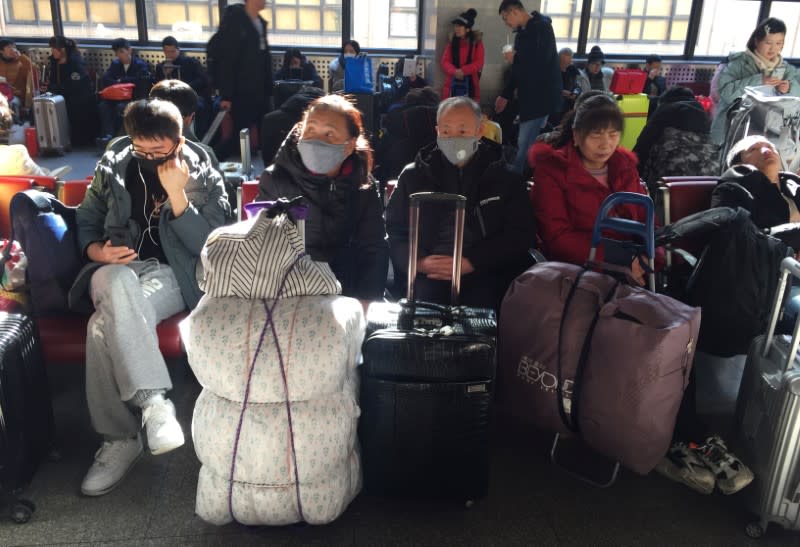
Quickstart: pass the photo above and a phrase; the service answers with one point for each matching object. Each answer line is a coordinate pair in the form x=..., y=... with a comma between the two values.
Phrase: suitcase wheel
x=22, y=511
x=754, y=530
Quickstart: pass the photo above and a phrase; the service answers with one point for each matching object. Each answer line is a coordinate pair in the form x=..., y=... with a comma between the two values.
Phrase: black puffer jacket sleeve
x=372, y=247
x=510, y=245
x=397, y=219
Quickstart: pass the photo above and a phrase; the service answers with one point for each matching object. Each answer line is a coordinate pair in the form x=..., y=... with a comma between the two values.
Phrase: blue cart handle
x=645, y=230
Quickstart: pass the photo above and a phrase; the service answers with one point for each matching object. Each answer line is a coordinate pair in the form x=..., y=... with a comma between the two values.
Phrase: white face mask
x=349, y=55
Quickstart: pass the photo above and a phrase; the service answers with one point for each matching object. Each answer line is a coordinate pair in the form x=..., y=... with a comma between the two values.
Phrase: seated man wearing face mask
x=499, y=226
x=143, y=222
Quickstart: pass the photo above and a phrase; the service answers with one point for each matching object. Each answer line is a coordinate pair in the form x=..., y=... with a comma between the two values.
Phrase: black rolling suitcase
x=26, y=413
x=426, y=388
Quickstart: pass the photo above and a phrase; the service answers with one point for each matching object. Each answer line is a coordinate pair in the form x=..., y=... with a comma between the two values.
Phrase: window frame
x=692, y=32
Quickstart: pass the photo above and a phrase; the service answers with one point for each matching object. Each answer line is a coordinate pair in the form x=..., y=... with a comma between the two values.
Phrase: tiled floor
x=530, y=503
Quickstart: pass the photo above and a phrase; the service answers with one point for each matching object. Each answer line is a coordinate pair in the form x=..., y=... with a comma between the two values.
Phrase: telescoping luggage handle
x=644, y=230
x=459, y=202
x=788, y=266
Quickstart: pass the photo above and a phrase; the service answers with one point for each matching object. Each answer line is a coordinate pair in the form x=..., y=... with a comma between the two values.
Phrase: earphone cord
x=148, y=218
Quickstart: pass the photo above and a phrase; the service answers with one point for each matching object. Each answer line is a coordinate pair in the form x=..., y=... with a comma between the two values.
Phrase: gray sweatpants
x=122, y=355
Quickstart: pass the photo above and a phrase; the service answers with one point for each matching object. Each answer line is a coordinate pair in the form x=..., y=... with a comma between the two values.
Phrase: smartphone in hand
x=779, y=72
x=120, y=236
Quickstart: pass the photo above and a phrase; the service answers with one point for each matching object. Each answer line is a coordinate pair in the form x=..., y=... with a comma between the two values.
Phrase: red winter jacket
x=471, y=70
x=566, y=198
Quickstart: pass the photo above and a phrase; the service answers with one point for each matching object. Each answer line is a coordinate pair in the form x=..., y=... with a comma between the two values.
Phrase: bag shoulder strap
x=571, y=420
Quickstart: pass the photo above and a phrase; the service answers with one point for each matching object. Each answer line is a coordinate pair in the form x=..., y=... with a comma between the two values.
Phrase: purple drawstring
x=269, y=322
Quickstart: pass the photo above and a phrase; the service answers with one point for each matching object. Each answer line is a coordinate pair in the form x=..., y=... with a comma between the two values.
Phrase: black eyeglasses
x=139, y=155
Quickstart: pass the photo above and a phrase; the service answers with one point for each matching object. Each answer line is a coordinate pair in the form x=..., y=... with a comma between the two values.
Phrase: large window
x=103, y=19
x=637, y=27
x=186, y=20
x=566, y=16
x=386, y=23
x=725, y=26
x=26, y=18
x=304, y=22
x=640, y=26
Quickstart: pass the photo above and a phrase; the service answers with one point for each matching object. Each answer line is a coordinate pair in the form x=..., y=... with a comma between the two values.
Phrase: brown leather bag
x=583, y=353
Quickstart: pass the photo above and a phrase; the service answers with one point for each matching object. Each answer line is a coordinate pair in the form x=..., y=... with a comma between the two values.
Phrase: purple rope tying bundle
x=269, y=310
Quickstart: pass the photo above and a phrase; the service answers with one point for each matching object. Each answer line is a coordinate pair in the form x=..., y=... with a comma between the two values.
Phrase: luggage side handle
x=460, y=203
x=788, y=266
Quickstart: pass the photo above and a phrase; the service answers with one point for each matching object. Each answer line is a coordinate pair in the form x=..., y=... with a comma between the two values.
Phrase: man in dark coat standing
x=244, y=69
x=535, y=74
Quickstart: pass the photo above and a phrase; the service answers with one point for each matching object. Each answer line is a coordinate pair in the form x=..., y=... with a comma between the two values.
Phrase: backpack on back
x=46, y=230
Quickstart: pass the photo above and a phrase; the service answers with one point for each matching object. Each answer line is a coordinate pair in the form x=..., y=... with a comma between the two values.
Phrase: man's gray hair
x=459, y=102
x=566, y=51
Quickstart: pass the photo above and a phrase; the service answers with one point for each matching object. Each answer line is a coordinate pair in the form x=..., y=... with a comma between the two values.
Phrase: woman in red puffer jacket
x=575, y=173
x=462, y=61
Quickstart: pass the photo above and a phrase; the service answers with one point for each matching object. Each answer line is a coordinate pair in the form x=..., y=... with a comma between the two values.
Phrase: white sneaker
x=164, y=433
x=112, y=461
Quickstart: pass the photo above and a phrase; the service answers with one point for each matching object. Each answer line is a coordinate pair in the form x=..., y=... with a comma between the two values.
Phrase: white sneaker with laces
x=164, y=433
x=112, y=461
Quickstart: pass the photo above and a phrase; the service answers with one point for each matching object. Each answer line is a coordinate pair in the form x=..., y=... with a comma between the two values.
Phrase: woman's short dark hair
x=292, y=53
x=61, y=42
x=562, y=135
x=767, y=26
x=353, y=120
x=153, y=119
x=597, y=113
x=353, y=43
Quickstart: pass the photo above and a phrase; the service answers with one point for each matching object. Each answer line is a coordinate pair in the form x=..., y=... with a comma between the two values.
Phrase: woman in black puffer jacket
x=67, y=76
x=327, y=160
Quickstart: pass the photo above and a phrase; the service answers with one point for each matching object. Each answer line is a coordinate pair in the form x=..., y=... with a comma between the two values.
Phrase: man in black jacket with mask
x=244, y=69
x=499, y=227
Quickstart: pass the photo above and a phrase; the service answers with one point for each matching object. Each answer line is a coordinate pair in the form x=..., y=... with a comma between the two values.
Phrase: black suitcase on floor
x=26, y=412
x=426, y=387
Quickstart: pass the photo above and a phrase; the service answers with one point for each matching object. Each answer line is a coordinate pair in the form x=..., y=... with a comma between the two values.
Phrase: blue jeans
x=528, y=131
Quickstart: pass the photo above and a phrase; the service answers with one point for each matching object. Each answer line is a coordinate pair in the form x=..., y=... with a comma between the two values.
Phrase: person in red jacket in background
x=462, y=61
x=575, y=174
